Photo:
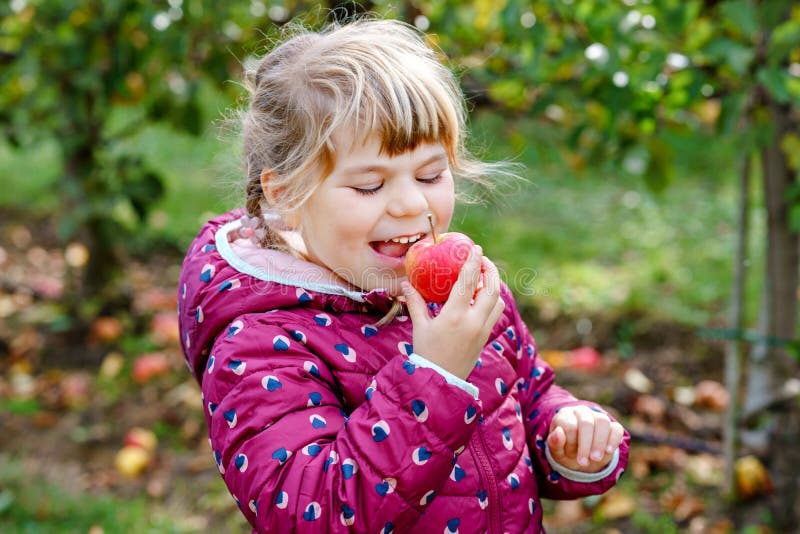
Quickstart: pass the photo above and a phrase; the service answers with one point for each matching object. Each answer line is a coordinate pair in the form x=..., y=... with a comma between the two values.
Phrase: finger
x=491, y=320
x=486, y=297
x=585, y=435
x=616, y=433
x=467, y=281
x=417, y=308
x=602, y=426
x=569, y=424
x=496, y=313
x=556, y=442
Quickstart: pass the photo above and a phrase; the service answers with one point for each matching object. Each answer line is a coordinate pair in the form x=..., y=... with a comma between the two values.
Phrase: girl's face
x=357, y=219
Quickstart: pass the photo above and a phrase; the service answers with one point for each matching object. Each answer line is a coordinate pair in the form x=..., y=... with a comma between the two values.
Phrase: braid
x=254, y=197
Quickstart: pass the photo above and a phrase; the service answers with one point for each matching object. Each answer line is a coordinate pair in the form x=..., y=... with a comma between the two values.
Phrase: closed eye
x=368, y=190
x=431, y=179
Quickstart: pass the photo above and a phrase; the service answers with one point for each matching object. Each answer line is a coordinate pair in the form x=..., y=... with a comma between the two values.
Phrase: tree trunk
x=735, y=349
x=770, y=365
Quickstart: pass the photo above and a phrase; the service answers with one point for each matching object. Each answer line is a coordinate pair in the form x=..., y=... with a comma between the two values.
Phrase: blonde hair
x=372, y=76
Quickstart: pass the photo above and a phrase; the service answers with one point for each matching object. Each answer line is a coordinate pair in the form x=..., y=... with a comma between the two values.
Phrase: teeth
x=404, y=240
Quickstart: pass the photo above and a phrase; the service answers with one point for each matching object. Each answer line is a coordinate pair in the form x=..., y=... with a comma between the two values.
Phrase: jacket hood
x=263, y=279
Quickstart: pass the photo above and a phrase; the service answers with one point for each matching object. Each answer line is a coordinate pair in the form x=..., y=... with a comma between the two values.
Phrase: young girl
x=336, y=398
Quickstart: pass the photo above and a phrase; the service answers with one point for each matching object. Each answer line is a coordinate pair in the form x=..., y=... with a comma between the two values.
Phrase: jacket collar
x=268, y=265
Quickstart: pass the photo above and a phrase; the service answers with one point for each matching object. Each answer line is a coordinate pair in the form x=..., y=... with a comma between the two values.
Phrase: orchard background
x=653, y=245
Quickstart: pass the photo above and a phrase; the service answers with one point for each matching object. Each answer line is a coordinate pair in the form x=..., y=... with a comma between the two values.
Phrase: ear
x=273, y=196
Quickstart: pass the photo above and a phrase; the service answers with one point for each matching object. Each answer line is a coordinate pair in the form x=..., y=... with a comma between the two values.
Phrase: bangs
x=404, y=107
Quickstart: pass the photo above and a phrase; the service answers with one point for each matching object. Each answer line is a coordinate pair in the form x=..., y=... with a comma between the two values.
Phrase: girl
x=336, y=398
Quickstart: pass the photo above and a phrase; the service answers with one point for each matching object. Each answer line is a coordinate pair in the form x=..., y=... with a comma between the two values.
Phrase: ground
x=70, y=392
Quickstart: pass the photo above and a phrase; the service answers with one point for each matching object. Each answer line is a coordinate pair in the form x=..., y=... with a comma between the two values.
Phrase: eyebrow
x=382, y=168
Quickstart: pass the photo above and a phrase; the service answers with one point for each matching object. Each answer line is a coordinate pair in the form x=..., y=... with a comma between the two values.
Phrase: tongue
x=391, y=248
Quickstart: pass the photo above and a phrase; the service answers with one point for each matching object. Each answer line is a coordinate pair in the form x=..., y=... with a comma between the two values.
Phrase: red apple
x=148, y=366
x=433, y=264
x=141, y=437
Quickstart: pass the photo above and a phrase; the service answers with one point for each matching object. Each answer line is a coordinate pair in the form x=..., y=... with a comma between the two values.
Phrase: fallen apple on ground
x=148, y=366
x=141, y=437
x=131, y=461
x=433, y=263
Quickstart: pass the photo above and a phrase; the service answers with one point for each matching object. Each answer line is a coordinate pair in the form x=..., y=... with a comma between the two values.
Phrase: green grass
x=604, y=243
x=596, y=243
x=34, y=506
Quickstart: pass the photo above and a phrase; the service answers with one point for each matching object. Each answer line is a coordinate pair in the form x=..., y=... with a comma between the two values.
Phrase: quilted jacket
x=320, y=422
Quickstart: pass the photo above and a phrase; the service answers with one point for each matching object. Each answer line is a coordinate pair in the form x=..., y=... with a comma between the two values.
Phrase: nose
x=407, y=198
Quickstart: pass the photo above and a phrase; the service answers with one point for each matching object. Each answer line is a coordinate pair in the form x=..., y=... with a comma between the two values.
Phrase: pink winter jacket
x=320, y=422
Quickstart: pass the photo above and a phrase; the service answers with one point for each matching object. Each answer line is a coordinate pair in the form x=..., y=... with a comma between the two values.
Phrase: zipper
x=479, y=452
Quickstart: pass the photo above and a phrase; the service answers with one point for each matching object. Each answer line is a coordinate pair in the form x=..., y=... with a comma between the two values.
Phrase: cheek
x=344, y=218
x=443, y=203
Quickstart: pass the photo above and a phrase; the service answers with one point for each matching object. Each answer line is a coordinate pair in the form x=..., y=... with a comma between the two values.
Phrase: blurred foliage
x=624, y=85
x=89, y=75
x=623, y=78
x=51, y=507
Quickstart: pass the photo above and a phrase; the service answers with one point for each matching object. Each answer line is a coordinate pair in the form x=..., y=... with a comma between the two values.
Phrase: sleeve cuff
x=449, y=377
x=580, y=476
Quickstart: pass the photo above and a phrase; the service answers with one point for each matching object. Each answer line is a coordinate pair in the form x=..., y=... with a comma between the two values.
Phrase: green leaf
x=735, y=55
x=782, y=40
x=730, y=113
x=742, y=16
x=794, y=218
x=775, y=81
x=20, y=406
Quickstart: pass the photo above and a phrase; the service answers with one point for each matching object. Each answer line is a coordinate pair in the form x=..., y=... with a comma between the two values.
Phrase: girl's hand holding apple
x=455, y=338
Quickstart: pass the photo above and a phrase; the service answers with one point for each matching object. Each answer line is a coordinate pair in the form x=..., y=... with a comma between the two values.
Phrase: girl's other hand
x=455, y=338
x=582, y=439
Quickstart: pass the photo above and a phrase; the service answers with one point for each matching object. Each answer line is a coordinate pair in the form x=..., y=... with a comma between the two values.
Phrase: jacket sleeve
x=294, y=459
x=540, y=399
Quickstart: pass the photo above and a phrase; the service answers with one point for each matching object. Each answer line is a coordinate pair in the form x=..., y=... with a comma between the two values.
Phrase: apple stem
x=433, y=232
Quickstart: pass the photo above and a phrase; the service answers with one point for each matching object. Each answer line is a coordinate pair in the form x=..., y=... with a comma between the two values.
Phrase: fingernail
x=609, y=449
x=405, y=286
x=582, y=460
x=596, y=456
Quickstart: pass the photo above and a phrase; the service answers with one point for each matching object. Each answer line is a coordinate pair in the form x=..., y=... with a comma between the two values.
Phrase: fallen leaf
x=684, y=395
x=712, y=395
x=112, y=364
x=705, y=469
x=76, y=390
x=47, y=286
x=105, y=330
x=617, y=505
x=567, y=514
x=155, y=299
x=557, y=359
x=682, y=505
x=651, y=408
x=76, y=255
x=637, y=381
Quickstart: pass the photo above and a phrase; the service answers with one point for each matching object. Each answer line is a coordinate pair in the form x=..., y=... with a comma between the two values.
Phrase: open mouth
x=397, y=246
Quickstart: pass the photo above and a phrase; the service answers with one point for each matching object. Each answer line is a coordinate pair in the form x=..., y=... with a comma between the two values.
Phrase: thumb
x=417, y=307
x=556, y=442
